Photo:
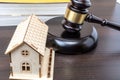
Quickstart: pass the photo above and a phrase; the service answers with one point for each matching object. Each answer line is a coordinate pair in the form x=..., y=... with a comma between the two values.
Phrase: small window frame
x=25, y=53
x=26, y=67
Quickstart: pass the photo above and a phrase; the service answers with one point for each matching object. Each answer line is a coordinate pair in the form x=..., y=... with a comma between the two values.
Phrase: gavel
x=77, y=13
x=70, y=40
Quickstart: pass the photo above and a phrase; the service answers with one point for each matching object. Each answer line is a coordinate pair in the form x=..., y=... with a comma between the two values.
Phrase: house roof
x=32, y=32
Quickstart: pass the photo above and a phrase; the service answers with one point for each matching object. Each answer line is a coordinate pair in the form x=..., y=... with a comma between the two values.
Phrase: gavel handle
x=103, y=22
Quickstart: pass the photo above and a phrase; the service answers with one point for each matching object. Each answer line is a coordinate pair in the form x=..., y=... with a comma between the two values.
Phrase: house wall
x=17, y=59
x=45, y=63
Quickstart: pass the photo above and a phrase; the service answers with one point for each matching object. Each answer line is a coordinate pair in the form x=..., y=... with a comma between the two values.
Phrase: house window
x=25, y=53
x=25, y=67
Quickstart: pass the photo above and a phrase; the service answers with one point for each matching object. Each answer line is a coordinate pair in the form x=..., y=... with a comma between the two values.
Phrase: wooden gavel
x=77, y=13
x=69, y=40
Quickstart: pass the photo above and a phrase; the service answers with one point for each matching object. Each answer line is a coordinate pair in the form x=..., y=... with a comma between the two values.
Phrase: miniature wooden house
x=29, y=57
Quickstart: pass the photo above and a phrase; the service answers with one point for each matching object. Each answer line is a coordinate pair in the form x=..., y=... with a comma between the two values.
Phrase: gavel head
x=75, y=15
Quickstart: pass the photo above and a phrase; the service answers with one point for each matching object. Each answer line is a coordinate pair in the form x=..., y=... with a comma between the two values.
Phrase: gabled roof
x=32, y=32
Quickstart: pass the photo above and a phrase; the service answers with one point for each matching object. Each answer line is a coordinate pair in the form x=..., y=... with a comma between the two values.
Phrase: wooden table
x=103, y=63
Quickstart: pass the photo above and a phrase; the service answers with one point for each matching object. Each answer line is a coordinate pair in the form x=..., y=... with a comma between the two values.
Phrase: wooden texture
x=103, y=63
x=31, y=31
x=27, y=44
x=33, y=60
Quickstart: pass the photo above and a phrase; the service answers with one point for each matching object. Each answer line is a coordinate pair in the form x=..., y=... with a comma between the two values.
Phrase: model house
x=30, y=59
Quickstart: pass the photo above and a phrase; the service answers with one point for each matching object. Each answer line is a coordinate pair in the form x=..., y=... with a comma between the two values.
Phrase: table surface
x=103, y=63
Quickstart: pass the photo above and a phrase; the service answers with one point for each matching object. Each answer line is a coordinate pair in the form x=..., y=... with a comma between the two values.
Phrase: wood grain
x=103, y=63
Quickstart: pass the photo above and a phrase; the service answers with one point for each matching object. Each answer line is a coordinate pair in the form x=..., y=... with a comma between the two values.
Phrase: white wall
x=18, y=59
x=13, y=14
x=118, y=1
